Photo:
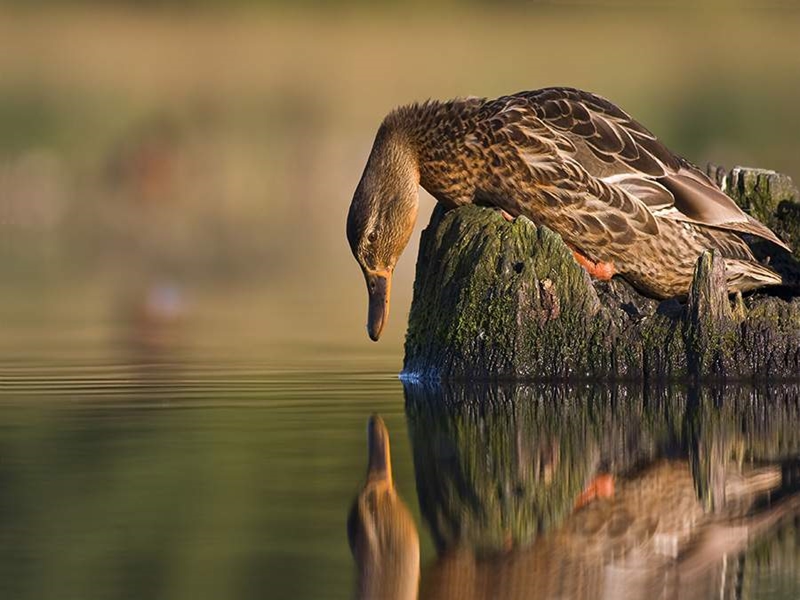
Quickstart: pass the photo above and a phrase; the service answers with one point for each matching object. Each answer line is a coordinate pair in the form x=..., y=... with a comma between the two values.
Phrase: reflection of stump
x=495, y=468
x=494, y=299
x=498, y=467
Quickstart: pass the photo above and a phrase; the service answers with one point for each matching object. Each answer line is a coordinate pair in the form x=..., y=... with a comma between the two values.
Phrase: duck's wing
x=621, y=153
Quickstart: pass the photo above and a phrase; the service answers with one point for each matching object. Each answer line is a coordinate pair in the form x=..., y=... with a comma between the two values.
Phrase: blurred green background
x=198, y=158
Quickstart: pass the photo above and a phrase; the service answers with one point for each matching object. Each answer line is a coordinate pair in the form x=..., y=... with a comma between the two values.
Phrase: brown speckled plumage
x=651, y=538
x=569, y=160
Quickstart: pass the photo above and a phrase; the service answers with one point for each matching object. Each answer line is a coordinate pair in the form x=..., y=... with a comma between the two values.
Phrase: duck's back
x=588, y=170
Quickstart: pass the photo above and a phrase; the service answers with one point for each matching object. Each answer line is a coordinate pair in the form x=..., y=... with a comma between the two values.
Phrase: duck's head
x=381, y=218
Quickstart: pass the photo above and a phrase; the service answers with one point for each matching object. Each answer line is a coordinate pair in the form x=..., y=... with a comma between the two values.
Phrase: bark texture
x=500, y=300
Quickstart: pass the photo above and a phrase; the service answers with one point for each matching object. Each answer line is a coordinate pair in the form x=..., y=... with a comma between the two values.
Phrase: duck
x=647, y=535
x=383, y=537
x=566, y=159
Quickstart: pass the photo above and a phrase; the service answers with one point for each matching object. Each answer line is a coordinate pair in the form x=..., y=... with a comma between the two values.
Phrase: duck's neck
x=434, y=134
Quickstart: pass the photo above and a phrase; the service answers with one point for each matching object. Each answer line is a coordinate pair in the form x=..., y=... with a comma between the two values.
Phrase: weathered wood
x=499, y=300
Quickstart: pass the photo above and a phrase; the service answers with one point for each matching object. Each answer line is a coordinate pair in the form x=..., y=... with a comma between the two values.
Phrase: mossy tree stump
x=500, y=300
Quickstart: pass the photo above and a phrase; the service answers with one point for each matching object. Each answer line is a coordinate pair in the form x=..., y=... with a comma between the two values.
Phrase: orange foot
x=507, y=216
x=601, y=270
x=601, y=486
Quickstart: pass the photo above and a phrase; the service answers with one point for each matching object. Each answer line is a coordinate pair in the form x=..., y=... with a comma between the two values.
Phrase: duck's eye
x=372, y=237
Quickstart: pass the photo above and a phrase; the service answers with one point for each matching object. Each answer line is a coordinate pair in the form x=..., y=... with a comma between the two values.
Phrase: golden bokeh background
x=185, y=371
x=196, y=160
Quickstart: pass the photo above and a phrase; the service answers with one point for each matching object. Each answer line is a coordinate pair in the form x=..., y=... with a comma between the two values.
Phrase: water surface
x=151, y=470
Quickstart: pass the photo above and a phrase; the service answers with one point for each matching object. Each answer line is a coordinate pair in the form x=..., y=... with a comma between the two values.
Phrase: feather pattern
x=580, y=165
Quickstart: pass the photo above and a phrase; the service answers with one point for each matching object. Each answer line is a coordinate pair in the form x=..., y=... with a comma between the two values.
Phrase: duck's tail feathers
x=752, y=227
x=758, y=228
x=746, y=275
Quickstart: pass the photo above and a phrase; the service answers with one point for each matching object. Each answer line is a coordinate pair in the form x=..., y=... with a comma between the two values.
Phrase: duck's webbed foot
x=600, y=270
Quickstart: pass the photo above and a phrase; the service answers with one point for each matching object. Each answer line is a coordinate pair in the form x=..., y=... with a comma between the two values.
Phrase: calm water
x=142, y=474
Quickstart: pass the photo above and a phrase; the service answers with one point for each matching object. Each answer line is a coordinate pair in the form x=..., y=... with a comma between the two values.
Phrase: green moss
x=760, y=192
x=499, y=300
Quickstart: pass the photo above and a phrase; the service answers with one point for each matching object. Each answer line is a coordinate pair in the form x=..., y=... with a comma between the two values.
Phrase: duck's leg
x=601, y=270
x=506, y=215
x=601, y=486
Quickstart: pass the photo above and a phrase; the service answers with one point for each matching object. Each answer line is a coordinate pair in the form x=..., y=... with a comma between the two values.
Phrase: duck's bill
x=380, y=462
x=379, y=285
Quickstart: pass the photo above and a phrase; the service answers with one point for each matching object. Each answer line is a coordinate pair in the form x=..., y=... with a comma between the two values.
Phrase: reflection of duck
x=602, y=493
x=565, y=158
x=381, y=531
x=651, y=538
x=656, y=509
